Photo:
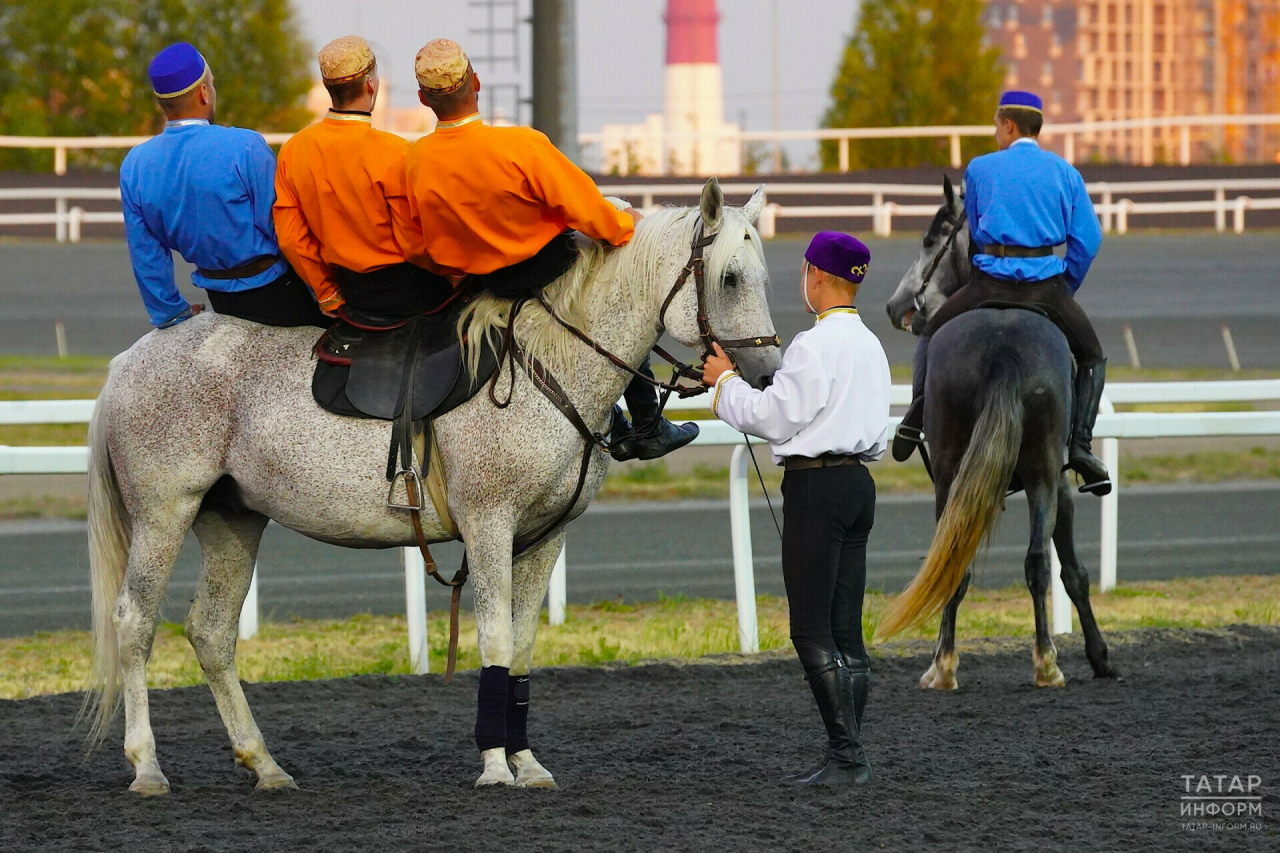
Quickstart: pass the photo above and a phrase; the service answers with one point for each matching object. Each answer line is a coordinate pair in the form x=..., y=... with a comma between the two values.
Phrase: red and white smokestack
x=694, y=89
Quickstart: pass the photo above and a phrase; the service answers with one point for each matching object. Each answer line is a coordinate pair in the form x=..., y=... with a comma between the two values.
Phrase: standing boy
x=825, y=413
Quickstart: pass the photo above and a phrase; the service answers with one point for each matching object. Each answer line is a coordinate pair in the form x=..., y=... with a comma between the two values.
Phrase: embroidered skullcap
x=176, y=70
x=839, y=254
x=345, y=59
x=1014, y=99
x=441, y=67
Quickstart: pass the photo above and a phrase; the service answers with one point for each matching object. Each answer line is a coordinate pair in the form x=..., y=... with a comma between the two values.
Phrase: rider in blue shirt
x=206, y=192
x=1021, y=202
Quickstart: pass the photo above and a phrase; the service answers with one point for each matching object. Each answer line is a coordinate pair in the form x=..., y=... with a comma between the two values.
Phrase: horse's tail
x=974, y=502
x=110, y=533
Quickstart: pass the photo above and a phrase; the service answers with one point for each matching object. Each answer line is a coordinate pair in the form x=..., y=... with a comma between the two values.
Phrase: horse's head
x=943, y=266
x=735, y=288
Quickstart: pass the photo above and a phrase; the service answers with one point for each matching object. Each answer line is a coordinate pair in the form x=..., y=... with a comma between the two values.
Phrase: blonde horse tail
x=110, y=533
x=974, y=503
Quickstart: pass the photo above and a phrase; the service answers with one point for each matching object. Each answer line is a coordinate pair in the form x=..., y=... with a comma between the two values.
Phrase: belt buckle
x=406, y=474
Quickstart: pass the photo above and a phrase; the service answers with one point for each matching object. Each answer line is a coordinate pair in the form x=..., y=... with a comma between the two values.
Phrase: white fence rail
x=1111, y=427
x=1225, y=199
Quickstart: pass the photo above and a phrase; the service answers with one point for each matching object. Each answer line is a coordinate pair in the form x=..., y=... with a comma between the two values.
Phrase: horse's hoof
x=940, y=678
x=1050, y=678
x=150, y=784
x=275, y=781
x=496, y=771
x=529, y=773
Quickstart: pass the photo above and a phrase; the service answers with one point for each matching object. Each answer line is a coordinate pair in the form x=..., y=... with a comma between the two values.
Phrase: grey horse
x=218, y=400
x=996, y=405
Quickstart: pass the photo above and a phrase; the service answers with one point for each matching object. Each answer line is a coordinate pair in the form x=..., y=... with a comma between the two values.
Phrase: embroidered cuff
x=715, y=398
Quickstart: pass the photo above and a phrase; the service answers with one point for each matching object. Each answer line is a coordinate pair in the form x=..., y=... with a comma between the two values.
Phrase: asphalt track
x=1165, y=532
x=1176, y=290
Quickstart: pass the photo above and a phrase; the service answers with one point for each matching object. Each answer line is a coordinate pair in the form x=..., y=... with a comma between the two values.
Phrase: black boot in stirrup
x=910, y=433
x=1080, y=458
x=650, y=435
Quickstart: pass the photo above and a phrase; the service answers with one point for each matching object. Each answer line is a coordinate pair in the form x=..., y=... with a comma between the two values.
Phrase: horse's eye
x=928, y=242
x=731, y=279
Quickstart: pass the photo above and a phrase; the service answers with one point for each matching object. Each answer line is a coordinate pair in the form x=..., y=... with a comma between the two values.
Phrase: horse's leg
x=229, y=541
x=530, y=573
x=1076, y=581
x=489, y=557
x=156, y=541
x=1042, y=499
x=942, y=673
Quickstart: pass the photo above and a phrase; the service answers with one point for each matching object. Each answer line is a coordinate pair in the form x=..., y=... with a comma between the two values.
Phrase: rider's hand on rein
x=715, y=365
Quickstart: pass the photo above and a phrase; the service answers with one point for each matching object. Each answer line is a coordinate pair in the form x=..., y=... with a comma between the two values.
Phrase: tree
x=913, y=62
x=79, y=67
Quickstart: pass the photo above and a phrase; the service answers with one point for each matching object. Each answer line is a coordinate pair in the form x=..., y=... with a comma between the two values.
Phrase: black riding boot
x=649, y=435
x=835, y=704
x=858, y=683
x=910, y=433
x=1080, y=458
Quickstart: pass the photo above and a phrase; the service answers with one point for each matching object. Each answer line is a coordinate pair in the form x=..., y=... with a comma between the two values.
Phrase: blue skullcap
x=839, y=254
x=1022, y=100
x=176, y=70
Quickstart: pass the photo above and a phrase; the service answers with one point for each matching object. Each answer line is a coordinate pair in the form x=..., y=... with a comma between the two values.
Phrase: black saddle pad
x=1003, y=304
x=370, y=386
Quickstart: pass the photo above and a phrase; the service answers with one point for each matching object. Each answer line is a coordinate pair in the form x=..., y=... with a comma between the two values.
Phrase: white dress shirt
x=831, y=394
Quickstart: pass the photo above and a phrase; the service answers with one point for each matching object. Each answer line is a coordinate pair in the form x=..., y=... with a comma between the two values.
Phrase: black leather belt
x=1001, y=251
x=254, y=267
x=826, y=460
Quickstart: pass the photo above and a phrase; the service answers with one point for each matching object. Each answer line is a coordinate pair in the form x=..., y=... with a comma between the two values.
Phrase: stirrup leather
x=410, y=476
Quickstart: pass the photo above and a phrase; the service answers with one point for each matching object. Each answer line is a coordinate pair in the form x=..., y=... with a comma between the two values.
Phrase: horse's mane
x=599, y=272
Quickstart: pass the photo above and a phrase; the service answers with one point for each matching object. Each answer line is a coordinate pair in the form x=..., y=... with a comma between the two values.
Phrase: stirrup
x=909, y=433
x=1101, y=488
x=407, y=474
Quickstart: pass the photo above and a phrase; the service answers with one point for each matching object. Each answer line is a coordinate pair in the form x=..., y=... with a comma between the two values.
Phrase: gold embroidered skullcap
x=441, y=67
x=344, y=59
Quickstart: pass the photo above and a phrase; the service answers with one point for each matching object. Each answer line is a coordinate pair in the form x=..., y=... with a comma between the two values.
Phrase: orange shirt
x=489, y=197
x=340, y=201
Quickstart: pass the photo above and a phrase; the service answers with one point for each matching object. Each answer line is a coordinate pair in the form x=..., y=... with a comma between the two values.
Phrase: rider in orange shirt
x=341, y=211
x=500, y=204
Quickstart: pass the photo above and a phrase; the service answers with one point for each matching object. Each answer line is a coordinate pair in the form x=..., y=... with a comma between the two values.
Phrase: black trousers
x=530, y=275
x=827, y=517
x=391, y=294
x=1051, y=295
x=287, y=301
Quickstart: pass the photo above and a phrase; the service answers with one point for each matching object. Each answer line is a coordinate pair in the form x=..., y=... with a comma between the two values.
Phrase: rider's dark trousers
x=827, y=516
x=287, y=301
x=391, y=294
x=1051, y=295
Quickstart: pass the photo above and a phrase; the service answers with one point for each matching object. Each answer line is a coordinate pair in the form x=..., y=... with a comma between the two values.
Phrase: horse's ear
x=948, y=191
x=754, y=205
x=712, y=204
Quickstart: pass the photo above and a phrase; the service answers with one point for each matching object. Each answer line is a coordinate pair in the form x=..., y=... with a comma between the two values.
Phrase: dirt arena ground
x=687, y=757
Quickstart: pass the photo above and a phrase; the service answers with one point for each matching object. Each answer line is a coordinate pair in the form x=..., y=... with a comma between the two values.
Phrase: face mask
x=804, y=288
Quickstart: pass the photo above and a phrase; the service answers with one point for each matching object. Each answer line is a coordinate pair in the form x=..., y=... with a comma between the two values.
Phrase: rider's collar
x=445, y=125
x=350, y=115
x=1027, y=139
x=185, y=122
x=839, y=309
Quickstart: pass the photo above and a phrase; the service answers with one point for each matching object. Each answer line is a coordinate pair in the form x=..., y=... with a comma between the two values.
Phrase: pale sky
x=620, y=53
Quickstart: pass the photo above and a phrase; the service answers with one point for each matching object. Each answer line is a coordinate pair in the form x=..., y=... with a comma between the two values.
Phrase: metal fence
x=1111, y=427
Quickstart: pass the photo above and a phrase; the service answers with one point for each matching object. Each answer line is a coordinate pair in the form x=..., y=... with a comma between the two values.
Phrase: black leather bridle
x=957, y=225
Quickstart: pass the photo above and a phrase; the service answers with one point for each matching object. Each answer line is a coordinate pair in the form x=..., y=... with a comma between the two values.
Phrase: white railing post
x=956, y=162
x=1109, y=526
x=877, y=214
x=1237, y=215
x=1061, y=616
x=1122, y=215
x=1184, y=147
x=74, y=220
x=844, y=153
x=557, y=592
x=744, y=577
x=1069, y=148
x=1220, y=212
x=415, y=609
x=60, y=222
x=1106, y=210
x=767, y=225
x=249, y=611
x=60, y=160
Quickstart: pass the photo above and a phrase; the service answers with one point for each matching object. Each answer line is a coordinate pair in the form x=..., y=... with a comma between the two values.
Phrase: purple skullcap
x=839, y=254
x=1022, y=100
x=176, y=70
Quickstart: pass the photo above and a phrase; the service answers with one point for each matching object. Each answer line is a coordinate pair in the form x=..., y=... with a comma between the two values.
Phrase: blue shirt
x=1024, y=196
x=205, y=192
